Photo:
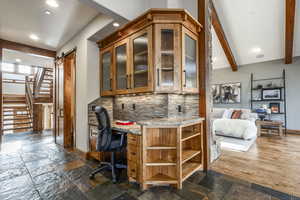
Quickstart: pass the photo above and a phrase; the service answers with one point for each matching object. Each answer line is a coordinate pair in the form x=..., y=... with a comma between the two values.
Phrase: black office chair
x=108, y=141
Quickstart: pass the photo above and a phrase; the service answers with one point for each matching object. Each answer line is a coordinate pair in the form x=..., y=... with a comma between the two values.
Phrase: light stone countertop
x=180, y=121
x=136, y=128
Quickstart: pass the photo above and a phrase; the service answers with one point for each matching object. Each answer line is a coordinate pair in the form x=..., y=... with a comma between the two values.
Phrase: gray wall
x=265, y=70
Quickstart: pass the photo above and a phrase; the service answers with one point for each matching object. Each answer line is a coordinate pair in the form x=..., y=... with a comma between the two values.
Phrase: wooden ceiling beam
x=5, y=44
x=222, y=38
x=290, y=10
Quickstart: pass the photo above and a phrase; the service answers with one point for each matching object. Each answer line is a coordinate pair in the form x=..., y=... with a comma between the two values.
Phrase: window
x=7, y=67
x=24, y=69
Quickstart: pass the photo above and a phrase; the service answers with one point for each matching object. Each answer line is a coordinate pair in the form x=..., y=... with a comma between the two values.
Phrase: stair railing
x=29, y=95
x=38, y=79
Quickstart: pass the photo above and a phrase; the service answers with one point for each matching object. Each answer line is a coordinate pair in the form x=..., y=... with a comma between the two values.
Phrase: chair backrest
x=104, y=136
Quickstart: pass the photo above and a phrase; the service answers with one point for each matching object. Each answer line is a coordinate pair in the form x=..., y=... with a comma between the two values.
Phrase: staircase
x=16, y=114
x=18, y=109
x=43, y=87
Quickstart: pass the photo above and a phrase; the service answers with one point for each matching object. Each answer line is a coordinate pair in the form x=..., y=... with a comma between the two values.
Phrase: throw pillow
x=236, y=114
x=227, y=114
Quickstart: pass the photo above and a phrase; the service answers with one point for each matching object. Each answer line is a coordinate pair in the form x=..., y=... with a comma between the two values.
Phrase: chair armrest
x=122, y=134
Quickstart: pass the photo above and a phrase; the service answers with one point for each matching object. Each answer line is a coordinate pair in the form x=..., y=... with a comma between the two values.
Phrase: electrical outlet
x=133, y=106
x=179, y=108
x=123, y=106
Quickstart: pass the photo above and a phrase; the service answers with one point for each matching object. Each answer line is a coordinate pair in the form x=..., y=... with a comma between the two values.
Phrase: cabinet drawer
x=132, y=153
x=132, y=139
x=132, y=169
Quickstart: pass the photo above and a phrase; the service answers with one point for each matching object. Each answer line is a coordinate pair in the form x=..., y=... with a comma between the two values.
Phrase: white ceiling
x=10, y=56
x=252, y=24
x=20, y=18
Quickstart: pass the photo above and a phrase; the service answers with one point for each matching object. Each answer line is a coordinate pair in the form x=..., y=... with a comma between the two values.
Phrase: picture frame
x=231, y=93
x=271, y=94
x=275, y=107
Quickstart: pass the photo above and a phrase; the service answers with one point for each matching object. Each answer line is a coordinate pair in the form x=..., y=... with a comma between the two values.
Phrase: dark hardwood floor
x=273, y=162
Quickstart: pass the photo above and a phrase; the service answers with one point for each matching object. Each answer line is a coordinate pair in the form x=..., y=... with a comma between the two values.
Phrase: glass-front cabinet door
x=141, y=74
x=106, y=72
x=167, y=57
x=121, y=67
x=190, y=74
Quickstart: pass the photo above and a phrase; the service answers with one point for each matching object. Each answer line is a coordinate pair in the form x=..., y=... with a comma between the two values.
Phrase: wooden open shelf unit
x=171, y=154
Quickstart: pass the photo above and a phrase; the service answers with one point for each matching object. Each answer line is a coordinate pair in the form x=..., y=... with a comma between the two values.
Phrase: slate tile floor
x=32, y=167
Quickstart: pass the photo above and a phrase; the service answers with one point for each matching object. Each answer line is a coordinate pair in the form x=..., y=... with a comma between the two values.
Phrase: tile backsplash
x=148, y=106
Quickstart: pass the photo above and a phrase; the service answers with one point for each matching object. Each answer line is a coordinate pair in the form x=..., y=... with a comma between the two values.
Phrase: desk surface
x=136, y=128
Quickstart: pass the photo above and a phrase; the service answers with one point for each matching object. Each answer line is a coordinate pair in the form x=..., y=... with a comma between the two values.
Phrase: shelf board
x=189, y=154
x=189, y=136
x=169, y=52
x=267, y=88
x=167, y=68
x=189, y=168
x=140, y=71
x=267, y=100
x=161, y=163
x=161, y=147
x=141, y=53
x=268, y=79
x=161, y=179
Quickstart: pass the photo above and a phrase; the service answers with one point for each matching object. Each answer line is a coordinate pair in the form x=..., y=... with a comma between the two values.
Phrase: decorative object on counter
x=275, y=107
x=231, y=93
x=261, y=113
x=124, y=123
x=216, y=93
x=269, y=85
x=271, y=94
x=259, y=86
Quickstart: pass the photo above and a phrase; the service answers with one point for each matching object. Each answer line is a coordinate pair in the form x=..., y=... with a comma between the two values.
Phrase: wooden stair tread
x=15, y=108
x=23, y=118
x=7, y=115
x=17, y=128
x=16, y=123
x=189, y=154
x=161, y=178
x=189, y=168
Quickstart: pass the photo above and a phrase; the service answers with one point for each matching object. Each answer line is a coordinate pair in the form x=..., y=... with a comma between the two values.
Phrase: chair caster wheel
x=92, y=176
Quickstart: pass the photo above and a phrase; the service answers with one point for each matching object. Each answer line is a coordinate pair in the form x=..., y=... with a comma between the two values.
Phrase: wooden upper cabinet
x=167, y=57
x=142, y=68
x=122, y=67
x=190, y=66
x=157, y=52
x=106, y=72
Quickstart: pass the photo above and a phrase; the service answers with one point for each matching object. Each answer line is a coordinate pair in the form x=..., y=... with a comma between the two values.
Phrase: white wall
x=87, y=75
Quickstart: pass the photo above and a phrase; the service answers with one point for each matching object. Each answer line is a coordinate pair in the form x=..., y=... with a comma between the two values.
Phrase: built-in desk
x=163, y=151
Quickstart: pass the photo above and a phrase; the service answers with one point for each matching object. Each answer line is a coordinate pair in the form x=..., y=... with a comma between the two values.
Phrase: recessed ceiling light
x=256, y=50
x=52, y=3
x=47, y=12
x=18, y=60
x=34, y=37
x=116, y=24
